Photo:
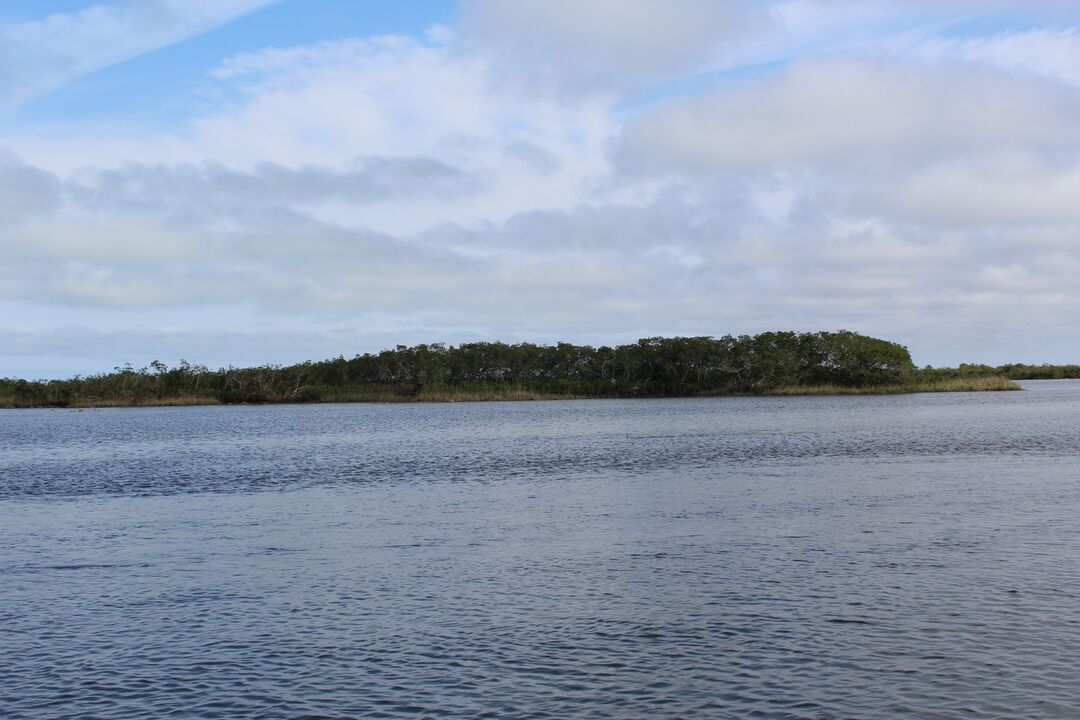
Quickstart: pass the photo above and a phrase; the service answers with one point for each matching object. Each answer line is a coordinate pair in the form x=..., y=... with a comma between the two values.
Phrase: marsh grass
x=177, y=401
x=90, y=403
x=992, y=383
x=502, y=393
x=484, y=394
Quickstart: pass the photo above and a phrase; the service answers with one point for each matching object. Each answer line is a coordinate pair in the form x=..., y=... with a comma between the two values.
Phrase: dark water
x=866, y=557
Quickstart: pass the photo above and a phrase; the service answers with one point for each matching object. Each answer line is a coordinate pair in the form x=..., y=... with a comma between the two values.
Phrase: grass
x=351, y=395
x=514, y=392
x=991, y=383
x=440, y=395
x=87, y=403
x=489, y=394
x=179, y=400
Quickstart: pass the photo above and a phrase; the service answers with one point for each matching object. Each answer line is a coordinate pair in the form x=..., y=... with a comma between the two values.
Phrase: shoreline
x=519, y=394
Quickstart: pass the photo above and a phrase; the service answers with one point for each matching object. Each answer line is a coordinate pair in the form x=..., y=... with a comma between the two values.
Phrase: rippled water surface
x=913, y=556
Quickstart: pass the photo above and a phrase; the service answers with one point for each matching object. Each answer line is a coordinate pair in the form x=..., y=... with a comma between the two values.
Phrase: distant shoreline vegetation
x=772, y=363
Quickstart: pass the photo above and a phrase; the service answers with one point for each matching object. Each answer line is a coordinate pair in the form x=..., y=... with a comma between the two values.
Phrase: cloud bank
x=565, y=172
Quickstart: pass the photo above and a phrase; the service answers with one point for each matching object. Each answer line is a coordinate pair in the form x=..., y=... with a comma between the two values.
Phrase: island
x=770, y=363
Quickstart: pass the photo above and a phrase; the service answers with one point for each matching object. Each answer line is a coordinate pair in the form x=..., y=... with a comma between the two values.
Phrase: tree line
x=1013, y=371
x=650, y=367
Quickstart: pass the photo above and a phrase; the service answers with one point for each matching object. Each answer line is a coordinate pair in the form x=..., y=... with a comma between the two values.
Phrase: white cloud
x=603, y=45
x=840, y=112
x=1050, y=53
x=27, y=190
x=209, y=186
x=394, y=96
x=995, y=189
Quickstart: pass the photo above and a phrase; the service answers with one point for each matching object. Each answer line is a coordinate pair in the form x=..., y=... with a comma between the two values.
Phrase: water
x=786, y=558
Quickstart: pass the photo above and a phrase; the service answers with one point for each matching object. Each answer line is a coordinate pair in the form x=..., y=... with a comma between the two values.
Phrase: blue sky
x=248, y=181
x=166, y=85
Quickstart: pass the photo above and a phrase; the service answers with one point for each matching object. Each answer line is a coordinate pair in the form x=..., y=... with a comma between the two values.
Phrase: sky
x=258, y=181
